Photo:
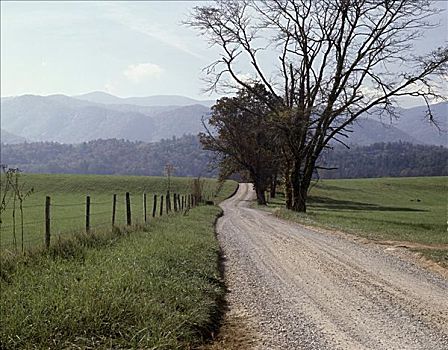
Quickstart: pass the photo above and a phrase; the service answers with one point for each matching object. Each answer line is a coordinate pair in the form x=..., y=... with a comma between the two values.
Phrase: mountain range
x=148, y=101
x=71, y=120
x=99, y=115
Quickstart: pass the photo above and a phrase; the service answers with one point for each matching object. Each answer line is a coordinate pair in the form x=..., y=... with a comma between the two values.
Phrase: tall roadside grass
x=157, y=287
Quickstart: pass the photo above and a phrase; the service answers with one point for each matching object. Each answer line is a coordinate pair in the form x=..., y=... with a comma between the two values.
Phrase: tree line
x=121, y=157
x=398, y=159
x=111, y=156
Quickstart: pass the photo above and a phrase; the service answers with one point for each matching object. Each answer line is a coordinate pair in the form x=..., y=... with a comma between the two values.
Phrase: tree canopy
x=243, y=138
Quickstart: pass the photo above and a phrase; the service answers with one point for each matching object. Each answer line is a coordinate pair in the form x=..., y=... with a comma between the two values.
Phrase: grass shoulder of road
x=157, y=287
x=412, y=211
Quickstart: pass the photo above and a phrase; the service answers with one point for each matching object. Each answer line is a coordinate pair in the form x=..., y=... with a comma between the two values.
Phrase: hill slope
x=68, y=120
x=157, y=100
x=99, y=115
x=9, y=138
x=415, y=123
x=367, y=131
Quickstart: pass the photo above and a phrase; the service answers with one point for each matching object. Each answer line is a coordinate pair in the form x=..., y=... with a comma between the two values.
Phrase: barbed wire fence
x=62, y=220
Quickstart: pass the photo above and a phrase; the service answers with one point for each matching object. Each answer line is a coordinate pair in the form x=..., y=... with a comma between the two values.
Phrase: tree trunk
x=260, y=187
x=300, y=195
x=301, y=183
x=273, y=187
x=300, y=186
x=288, y=188
x=261, y=197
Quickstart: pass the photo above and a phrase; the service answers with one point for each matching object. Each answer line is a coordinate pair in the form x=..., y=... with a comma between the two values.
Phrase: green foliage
x=242, y=137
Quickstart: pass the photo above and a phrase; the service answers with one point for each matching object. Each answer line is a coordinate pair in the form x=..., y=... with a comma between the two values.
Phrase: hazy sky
x=125, y=48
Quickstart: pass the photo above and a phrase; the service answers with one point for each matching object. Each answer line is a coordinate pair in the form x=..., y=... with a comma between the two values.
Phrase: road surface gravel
x=303, y=289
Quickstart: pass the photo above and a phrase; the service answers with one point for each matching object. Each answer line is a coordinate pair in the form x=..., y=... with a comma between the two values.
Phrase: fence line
x=54, y=222
x=100, y=203
x=69, y=205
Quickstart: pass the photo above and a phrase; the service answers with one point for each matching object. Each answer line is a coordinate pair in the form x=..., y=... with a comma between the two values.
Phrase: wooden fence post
x=87, y=214
x=168, y=202
x=154, y=206
x=114, y=208
x=175, y=201
x=161, y=205
x=47, y=222
x=128, y=209
x=144, y=205
x=178, y=202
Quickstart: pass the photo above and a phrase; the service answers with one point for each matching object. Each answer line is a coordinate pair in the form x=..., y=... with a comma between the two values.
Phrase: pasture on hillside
x=68, y=203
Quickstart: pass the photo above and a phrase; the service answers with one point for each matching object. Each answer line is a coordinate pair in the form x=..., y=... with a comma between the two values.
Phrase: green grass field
x=156, y=286
x=68, y=197
x=395, y=209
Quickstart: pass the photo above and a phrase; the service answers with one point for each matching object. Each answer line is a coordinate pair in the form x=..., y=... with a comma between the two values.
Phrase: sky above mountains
x=125, y=48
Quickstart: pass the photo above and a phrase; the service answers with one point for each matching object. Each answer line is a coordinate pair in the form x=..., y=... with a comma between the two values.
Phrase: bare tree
x=12, y=186
x=336, y=60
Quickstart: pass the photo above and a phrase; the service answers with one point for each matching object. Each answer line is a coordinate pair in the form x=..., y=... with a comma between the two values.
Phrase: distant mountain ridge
x=68, y=120
x=9, y=138
x=99, y=115
x=148, y=101
x=366, y=131
x=415, y=123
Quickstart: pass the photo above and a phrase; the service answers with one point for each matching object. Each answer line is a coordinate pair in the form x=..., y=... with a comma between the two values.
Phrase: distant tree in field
x=337, y=60
x=241, y=134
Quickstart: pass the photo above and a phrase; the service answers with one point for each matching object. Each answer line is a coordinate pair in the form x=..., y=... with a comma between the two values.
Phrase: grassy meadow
x=383, y=209
x=68, y=197
x=154, y=286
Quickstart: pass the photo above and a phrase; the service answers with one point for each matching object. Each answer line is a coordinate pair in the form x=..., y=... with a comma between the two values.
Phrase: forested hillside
x=385, y=159
x=189, y=159
x=110, y=157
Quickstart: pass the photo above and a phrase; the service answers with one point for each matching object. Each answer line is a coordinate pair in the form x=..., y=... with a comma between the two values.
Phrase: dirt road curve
x=300, y=289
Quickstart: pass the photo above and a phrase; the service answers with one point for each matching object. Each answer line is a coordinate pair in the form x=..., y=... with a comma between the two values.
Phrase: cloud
x=138, y=72
x=161, y=33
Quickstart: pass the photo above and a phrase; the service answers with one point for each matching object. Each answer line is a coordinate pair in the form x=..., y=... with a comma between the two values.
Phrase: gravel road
x=302, y=289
